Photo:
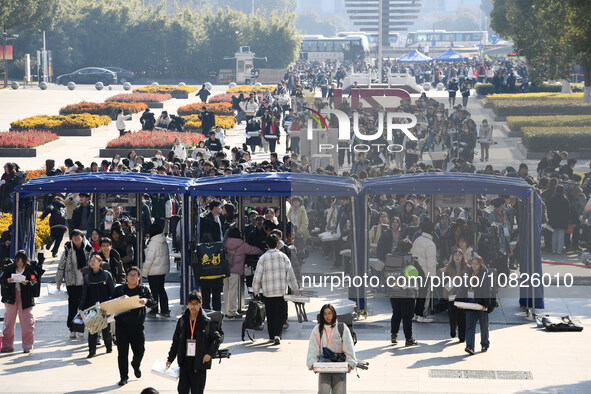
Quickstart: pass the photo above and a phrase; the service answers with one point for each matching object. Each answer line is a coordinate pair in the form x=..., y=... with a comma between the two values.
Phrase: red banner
x=6, y=52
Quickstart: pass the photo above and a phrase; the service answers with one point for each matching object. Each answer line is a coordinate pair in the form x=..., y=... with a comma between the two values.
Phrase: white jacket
x=425, y=252
x=180, y=151
x=157, y=257
x=120, y=123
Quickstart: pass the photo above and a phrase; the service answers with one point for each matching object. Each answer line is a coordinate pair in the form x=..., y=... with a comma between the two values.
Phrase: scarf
x=80, y=256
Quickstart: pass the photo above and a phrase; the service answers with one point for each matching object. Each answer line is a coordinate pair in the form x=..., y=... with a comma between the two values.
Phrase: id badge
x=471, y=295
x=191, y=347
x=506, y=231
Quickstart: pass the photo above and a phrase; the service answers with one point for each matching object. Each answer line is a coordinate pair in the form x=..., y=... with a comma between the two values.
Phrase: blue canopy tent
x=24, y=212
x=451, y=56
x=414, y=57
x=461, y=183
x=275, y=184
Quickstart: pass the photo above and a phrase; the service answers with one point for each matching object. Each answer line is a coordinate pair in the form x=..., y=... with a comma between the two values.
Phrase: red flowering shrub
x=154, y=139
x=140, y=97
x=216, y=108
x=26, y=139
x=110, y=108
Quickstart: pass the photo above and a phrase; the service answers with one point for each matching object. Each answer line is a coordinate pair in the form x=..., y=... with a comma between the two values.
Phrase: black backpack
x=216, y=318
x=254, y=319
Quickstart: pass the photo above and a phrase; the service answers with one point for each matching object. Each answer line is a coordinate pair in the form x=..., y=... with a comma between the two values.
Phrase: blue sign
x=494, y=39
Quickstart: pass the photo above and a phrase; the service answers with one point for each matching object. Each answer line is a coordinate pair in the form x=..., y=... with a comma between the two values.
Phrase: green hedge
x=540, y=107
x=516, y=123
x=485, y=89
x=541, y=139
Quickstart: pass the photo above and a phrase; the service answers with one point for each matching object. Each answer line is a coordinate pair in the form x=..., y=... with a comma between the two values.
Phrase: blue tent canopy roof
x=274, y=184
x=414, y=57
x=104, y=182
x=451, y=56
x=447, y=183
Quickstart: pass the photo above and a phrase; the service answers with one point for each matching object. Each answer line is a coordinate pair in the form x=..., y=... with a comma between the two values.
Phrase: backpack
x=216, y=318
x=564, y=323
x=208, y=261
x=254, y=319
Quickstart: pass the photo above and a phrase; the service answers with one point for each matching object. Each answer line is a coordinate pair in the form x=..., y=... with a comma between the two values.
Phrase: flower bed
x=41, y=233
x=26, y=139
x=170, y=89
x=540, y=107
x=251, y=89
x=516, y=123
x=534, y=96
x=109, y=108
x=221, y=98
x=541, y=139
x=484, y=89
x=194, y=123
x=140, y=97
x=217, y=108
x=51, y=122
x=154, y=139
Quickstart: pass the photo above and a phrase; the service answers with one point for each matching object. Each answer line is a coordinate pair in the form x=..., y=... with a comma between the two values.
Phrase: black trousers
x=107, y=337
x=74, y=296
x=213, y=294
x=159, y=293
x=272, y=144
x=275, y=310
x=402, y=309
x=56, y=235
x=191, y=380
x=129, y=333
x=457, y=320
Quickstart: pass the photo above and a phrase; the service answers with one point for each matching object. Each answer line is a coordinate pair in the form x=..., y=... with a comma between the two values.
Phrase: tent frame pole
x=532, y=248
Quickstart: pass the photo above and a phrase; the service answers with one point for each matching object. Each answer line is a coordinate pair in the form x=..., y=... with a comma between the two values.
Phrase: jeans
x=159, y=293
x=558, y=240
x=471, y=318
x=332, y=383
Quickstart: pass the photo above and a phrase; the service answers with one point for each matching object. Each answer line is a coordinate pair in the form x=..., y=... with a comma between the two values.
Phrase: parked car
x=90, y=75
x=123, y=75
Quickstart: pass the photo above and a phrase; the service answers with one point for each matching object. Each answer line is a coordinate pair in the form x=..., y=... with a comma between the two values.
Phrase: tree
x=552, y=34
x=28, y=15
x=309, y=22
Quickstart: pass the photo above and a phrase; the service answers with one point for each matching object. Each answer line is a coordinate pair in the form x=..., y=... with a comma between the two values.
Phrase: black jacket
x=138, y=315
x=9, y=289
x=206, y=344
x=115, y=266
x=97, y=287
x=210, y=229
x=57, y=212
x=77, y=218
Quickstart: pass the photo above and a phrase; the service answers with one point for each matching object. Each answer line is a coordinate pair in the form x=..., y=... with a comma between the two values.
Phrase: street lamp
x=6, y=37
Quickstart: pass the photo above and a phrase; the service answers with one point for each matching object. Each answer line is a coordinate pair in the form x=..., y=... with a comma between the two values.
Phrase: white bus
x=395, y=39
x=320, y=48
x=444, y=38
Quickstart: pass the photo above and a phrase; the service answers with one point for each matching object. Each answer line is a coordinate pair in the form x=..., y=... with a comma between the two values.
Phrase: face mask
x=158, y=157
x=109, y=218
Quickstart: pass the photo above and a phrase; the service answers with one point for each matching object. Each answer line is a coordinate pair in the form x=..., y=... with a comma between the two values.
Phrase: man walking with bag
x=130, y=325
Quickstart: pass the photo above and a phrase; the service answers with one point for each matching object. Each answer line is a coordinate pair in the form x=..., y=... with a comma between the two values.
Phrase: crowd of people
x=454, y=241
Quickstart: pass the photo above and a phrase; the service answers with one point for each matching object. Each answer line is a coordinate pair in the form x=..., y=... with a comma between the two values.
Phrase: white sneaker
x=415, y=317
x=80, y=335
x=72, y=334
x=422, y=319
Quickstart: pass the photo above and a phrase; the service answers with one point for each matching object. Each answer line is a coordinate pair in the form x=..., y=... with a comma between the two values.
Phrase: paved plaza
x=522, y=358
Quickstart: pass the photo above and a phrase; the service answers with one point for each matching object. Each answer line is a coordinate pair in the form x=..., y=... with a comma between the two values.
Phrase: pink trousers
x=26, y=319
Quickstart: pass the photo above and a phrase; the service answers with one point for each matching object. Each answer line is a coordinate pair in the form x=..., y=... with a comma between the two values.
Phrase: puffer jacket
x=157, y=257
x=239, y=249
x=423, y=249
x=67, y=267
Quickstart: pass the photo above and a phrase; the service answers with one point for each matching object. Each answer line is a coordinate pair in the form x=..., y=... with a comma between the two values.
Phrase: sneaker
x=137, y=372
x=91, y=355
x=452, y=333
x=484, y=349
x=110, y=350
x=122, y=382
x=165, y=314
x=276, y=340
x=80, y=335
x=422, y=319
x=285, y=325
x=152, y=314
x=411, y=342
x=415, y=317
x=394, y=338
x=469, y=350
x=27, y=351
x=7, y=350
x=72, y=334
